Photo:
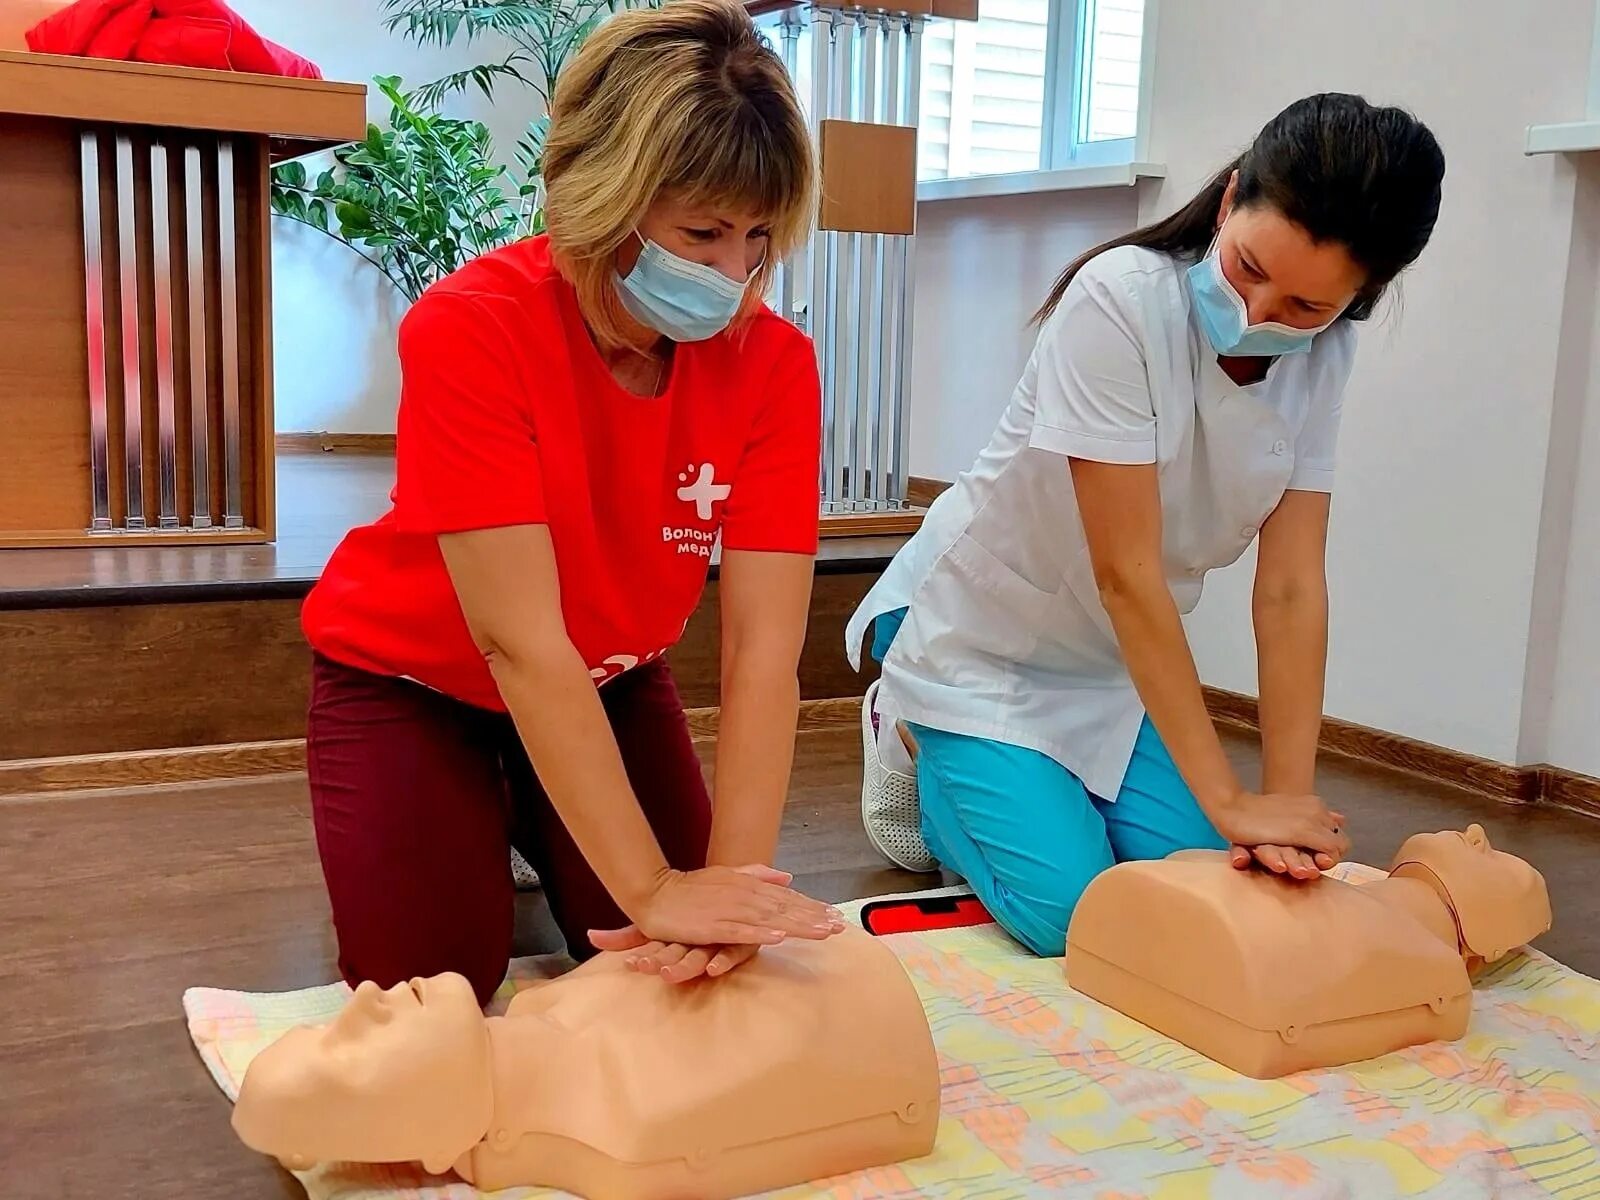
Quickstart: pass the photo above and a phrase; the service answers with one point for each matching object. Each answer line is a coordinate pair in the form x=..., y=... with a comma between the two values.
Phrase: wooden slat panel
x=44, y=411
x=146, y=768
x=247, y=760
x=139, y=677
x=93, y=89
x=824, y=671
x=146, y=676
x=258, y=337
x=870, y=524
x=869, y=178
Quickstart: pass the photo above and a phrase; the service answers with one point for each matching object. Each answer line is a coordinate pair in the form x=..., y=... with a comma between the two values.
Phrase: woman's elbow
x=1123, y=586
x=1289, y=594
x=525, y=654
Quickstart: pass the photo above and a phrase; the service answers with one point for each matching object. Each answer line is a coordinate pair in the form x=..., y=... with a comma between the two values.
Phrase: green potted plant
x=425, y=195
x=537, y=38
x=416, y=200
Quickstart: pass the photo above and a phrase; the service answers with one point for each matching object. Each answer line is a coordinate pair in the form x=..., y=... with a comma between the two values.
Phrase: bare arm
x=506, y=581
x=1291, y=623
x=1121, y=510
x=765, y=600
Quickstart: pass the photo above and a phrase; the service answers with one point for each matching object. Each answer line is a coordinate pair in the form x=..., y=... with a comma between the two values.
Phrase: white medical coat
x=1006, y=637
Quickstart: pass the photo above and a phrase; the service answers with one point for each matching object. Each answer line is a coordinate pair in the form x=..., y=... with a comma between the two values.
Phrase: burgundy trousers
x=417, y=799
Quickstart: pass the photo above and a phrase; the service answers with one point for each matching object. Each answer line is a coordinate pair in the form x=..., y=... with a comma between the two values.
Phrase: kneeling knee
x=1039, y=919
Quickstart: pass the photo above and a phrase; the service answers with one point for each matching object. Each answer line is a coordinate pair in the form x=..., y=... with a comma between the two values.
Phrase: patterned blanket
x=1047, y=1093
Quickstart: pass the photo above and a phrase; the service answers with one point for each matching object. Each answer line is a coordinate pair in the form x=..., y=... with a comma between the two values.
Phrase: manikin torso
x=1270, y=976
x=816, y=1058
x=813, y=1059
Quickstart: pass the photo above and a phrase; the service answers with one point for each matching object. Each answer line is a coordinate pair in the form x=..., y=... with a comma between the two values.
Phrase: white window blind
x=1027, y=84
x=983, y=91
x=1031, y=85
x=1112, y=59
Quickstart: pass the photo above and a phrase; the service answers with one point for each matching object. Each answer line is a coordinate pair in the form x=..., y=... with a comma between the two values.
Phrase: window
x=1031, y=85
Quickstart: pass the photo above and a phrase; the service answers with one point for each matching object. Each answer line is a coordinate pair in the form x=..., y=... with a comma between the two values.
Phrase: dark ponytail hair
x=1343, y=170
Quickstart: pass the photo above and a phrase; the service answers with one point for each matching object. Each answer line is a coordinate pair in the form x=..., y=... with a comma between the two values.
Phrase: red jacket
x=180, y=33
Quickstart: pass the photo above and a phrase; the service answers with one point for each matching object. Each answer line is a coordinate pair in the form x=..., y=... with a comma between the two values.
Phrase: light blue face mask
x=1225, y=317
x=685, y=301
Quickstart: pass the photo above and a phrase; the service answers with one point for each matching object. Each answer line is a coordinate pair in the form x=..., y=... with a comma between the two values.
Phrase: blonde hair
x=687, y=100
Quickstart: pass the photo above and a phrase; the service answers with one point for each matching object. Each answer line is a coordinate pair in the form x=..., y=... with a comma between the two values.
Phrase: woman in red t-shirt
x=582, y=415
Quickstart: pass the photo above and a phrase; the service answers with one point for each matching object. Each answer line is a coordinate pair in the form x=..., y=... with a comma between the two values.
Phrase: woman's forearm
x=1292, y=658
x=564, y=728
x=1156, y=650
x=755, y=754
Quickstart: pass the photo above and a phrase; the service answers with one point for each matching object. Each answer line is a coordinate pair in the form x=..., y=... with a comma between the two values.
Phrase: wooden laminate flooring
x=112, y=903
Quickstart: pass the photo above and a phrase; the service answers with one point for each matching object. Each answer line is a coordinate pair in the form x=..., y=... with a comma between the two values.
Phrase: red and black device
x=918, y=914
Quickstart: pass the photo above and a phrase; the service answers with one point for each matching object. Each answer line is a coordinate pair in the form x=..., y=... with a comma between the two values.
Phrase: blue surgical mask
x=1224, y=317
x=682, y=300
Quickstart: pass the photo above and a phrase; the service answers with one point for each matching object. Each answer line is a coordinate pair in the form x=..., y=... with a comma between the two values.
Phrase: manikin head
x=401, y=1075
x=1499, y=902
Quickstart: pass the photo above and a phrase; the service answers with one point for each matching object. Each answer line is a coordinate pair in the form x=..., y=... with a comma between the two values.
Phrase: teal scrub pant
x=1025, y=833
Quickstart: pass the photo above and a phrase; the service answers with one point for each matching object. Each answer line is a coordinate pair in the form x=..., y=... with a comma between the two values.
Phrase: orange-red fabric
x=508, y=416
x=182, y=33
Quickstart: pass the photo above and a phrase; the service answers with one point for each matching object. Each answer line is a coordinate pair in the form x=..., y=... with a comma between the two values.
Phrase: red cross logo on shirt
x=704, y=491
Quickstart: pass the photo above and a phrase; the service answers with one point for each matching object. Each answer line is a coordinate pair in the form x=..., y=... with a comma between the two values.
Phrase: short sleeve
x=1093, y=391
x=466, y=457
x=776, y=495
x=1316, y=444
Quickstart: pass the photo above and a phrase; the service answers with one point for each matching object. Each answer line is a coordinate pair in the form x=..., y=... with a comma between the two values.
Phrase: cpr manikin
x=1270, y=976
x=812, y=1059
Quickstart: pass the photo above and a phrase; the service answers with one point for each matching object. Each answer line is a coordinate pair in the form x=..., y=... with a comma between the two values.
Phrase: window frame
x=1066, y=87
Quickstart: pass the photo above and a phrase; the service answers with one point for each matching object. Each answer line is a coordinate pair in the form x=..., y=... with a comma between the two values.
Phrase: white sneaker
x=523, y=877
x=889, y=808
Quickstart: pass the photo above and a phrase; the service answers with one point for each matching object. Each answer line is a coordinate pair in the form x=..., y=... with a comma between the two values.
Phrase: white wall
x=982, y=269
x=1465, y=561
x=334, y=316
x=1561, y=715
x=1447, y=419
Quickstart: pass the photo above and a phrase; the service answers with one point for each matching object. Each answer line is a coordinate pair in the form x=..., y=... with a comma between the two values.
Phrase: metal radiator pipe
x=787, y=273
x=199, y=384
x=166, y=388
x=869, y=347
x=132, y=388
x=227, y=240
x=95, y=334
x=841, y=266
x=900, y=471
x=892, y=292
x=816, y=312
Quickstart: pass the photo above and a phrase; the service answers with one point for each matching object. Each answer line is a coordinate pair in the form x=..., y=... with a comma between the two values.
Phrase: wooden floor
x=112, y=903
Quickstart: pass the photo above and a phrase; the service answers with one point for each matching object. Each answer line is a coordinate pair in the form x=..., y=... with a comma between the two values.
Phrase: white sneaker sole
x=890, y=812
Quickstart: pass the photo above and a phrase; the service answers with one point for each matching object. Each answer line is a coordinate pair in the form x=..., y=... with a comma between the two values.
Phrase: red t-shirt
x=508, y=416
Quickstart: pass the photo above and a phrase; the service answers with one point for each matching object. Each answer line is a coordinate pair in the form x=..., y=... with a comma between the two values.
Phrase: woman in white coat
x=1182, y=401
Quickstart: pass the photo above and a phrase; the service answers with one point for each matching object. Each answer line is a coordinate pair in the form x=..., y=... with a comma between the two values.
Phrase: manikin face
x=1499, y=901
x=399, y=1076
